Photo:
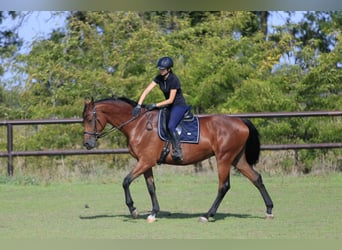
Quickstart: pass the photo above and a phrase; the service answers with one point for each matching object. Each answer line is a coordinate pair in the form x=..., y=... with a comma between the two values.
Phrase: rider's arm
x=146, y=91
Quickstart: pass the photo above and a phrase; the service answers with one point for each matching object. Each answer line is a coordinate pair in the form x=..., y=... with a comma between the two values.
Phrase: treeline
x=228, y=62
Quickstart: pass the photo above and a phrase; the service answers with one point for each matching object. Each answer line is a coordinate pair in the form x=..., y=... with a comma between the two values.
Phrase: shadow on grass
x=169, y=215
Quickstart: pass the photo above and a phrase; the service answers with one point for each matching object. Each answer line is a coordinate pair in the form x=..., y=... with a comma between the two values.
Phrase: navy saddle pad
x=188, y=129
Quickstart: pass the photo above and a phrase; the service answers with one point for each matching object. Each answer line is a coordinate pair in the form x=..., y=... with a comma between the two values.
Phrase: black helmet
x=165, y=63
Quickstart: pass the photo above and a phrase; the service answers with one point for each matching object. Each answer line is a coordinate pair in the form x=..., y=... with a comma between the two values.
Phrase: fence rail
x=10, y=123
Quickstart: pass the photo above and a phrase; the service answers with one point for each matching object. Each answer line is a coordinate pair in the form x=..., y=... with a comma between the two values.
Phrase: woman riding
x=174, y=101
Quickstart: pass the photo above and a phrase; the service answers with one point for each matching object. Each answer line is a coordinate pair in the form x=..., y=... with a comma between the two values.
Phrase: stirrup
x=177, y=157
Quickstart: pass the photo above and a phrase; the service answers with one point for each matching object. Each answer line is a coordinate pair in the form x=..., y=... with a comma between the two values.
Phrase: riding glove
x=136, y=110
x=151, y=106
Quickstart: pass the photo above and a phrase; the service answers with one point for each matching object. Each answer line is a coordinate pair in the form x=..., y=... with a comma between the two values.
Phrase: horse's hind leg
x=248, y=171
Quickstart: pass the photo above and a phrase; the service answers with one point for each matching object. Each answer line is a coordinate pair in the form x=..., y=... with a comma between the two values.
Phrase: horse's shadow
x=169, y=215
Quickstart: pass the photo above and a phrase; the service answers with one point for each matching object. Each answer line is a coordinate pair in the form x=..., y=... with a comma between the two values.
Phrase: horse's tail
x=252, y=150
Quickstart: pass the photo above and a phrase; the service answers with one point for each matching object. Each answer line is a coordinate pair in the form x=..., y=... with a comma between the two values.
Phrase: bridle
x=98, y=135
x=95, y=120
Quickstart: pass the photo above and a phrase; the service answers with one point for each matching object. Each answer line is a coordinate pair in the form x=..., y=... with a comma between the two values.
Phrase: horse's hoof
x=134, y=213
x=203, y=219
x=269, y=216
x=151, y=218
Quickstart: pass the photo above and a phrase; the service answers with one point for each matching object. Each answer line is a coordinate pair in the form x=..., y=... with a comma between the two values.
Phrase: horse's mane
x=117, y=98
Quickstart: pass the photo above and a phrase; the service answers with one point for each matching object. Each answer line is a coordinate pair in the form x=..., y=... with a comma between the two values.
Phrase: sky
x=37, y=25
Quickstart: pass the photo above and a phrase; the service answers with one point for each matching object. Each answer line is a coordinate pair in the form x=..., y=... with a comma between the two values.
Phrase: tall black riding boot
x=177, y=151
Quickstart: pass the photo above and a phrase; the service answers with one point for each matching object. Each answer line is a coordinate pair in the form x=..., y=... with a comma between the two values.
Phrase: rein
x=113, y=128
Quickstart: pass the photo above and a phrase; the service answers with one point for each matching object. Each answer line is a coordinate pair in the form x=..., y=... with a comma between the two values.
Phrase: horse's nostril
x=86, y=144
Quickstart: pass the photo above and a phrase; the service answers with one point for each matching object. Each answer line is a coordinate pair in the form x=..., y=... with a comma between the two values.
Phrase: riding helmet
x=165, y=63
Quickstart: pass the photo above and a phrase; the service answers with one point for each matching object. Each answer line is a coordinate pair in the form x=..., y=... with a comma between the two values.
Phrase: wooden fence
x=10, y=123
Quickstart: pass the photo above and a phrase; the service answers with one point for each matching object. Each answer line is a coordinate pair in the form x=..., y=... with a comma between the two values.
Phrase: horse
x=233, y=141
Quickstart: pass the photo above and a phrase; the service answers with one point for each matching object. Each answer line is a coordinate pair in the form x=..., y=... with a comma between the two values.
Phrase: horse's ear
x=87, y=101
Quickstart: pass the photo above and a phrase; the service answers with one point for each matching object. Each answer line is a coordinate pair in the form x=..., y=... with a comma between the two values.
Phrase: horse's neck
x=117, y=113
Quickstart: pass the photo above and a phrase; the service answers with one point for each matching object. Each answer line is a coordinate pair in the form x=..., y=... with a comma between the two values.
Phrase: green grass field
x=306, y=207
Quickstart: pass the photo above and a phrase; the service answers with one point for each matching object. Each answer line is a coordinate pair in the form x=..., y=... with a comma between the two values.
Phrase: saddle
x=188, y=130
x=188, y=127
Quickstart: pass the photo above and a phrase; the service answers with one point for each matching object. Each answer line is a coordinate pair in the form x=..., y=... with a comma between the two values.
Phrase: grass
x=306, y=207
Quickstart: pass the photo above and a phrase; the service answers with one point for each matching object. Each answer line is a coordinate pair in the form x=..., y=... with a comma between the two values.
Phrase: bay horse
x=233, y=141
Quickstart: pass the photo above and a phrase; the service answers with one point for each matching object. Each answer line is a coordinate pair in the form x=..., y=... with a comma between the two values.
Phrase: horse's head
x=115, y=111
x=92, y=124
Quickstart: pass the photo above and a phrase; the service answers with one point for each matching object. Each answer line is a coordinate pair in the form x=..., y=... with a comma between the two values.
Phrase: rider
x=175, y=102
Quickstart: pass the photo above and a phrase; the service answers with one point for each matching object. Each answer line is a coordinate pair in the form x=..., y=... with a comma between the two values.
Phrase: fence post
x=10, y=149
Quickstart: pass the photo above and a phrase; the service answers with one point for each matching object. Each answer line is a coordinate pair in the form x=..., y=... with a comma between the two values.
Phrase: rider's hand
x=151, y=106
x=136, y=110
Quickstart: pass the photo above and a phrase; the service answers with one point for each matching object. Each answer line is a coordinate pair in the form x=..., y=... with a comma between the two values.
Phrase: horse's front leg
x=129, y=201
x=152, y=191
x=140, y=168
x=223, y=189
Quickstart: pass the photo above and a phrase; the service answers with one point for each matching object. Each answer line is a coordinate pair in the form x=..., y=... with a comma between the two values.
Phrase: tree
x=9, y=45
x=9, y=40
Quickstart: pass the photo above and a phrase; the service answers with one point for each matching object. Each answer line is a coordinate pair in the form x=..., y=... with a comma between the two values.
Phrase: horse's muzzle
x=88, y=146
x=90, y=143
